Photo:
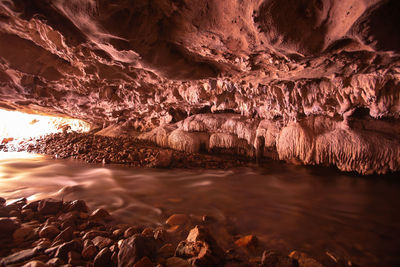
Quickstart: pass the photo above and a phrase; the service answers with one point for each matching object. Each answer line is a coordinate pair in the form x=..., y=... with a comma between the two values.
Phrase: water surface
x=314, y=210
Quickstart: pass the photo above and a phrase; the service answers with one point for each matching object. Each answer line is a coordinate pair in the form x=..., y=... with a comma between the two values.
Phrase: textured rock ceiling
x=154, y=62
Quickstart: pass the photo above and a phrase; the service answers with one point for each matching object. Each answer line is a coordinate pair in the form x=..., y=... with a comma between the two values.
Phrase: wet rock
x=177, y=219
x=103, y=258
x=102, y=242
x=275, y=259
x=65, y=235
x=131, y=231
x=21, y=256
x=27, y=214
x=76, y=205
x=200, y=248
x=135, y=248
x=89, y=252
x=100, y=214
x=49, y=206
x=8, y=226
x=32, y=205
x=247, y=241
x=63, y=249
x=176, y=262
x=49, y=232
x=94, y=233
x=304, y=260
x=144, y=262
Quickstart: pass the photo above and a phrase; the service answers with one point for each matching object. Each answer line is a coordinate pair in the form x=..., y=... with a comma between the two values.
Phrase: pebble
x=304, y=260
x=89, y=252
x=49, y=206
x=8, y=226
x=103, y=258
x=49, y=232
x=247, y=241
x=177, y=219
x=144, y=262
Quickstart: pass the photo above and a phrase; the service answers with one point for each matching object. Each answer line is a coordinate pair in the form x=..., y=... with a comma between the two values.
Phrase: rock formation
x=311, y=81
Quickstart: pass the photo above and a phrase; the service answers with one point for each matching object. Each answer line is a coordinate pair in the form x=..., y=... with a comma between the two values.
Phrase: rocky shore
x=52, y=232
x=129, y=151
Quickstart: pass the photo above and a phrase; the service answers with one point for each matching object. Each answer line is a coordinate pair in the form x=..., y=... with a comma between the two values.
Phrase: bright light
x=18, y=125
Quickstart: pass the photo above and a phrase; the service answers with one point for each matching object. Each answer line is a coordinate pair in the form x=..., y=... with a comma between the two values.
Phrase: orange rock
x=247, y=241
x=177, y=219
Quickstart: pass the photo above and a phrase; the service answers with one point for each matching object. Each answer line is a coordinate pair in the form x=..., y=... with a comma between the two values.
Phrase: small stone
x=304, y=260
x=35, y=264
x=49, y=206
x=49, y=232
x=89, y=252
x=144, y=262
x=131, y=231
x=163, y=159
x=102, y=242
x=94, y=233
x=177, y=262
x=275, y=259
x=247, y=241
x=100, y=214
x=103, y=258
x=148, y=232
x=177, y=219
x=117, y=233
x=65, y=235
x=31, y=205
x=62, y=250
x=27, y=214
x=76, y=205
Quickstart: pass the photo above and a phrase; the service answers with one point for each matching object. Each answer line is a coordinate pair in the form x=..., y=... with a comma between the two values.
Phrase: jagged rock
x=134, y=248
x=200, y=248
x=100, y=214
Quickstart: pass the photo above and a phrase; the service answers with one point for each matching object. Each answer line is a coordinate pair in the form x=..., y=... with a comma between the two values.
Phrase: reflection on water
x=287, y=207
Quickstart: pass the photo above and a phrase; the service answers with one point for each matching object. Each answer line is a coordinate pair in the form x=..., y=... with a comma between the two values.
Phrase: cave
x=199, y=133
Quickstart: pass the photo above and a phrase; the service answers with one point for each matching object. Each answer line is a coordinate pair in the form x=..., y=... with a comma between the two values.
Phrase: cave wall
x=287, y=68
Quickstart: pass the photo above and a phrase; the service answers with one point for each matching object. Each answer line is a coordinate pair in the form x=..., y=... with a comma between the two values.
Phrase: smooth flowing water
x=313, y=210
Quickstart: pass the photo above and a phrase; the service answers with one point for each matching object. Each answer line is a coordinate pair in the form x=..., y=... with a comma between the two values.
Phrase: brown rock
x=177, y=219
x=131, y=231
x=144, y=262
x=62, y=250
x=103, y=258
x=2, y=201
x=49, y=232
x=49, y=206
x=163, y=159
x=275, y=259
x=93, y=233
x=65, y=235
x=76, y=205
x=102, y=242
x=247, y=241
x=89, y=252
x=304, y=260
x=135, y=248
x=21, y=256
x=100, y=214
x=32, y=205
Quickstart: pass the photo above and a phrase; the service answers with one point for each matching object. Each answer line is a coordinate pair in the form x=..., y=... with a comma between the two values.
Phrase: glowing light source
x=18, y=125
